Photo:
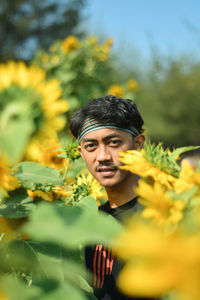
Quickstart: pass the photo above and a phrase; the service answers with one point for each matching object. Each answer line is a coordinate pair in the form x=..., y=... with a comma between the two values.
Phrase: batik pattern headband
x=91, y=124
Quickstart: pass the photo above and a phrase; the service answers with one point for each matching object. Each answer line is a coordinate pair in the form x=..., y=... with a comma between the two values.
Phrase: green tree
x=169, y=99
x=26, y=25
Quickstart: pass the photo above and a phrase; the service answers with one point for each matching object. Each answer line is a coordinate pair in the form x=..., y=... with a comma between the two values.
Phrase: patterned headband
x=91, y=124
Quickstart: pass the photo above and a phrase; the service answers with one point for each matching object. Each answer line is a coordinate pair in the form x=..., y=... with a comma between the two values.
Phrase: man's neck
x=123, y=193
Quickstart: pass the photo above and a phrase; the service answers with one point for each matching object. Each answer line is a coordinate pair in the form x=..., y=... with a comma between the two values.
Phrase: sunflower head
x=8, y=182
x=71, y=151
x=161, y=158
x=70, y=43
x=116, y=90
x=86, y=185
x=51, y=156
x=30, y=105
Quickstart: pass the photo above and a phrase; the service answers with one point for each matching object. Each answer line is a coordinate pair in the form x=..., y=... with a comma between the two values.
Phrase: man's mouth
x=107, y=171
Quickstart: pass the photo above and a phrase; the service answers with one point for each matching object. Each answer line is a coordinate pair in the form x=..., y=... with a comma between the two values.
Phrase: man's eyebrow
x=110, y=136
x=85, y=140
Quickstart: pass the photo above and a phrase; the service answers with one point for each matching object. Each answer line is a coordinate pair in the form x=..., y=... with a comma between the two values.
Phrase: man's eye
x=115, y=142
x=90, y=146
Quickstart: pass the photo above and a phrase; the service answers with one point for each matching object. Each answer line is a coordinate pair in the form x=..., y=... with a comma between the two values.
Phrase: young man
x=105, y=127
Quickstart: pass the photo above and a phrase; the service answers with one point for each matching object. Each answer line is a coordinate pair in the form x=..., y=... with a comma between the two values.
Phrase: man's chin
x=108, y=182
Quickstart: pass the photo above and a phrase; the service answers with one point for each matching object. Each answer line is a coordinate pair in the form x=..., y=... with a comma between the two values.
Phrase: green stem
x=66, y=170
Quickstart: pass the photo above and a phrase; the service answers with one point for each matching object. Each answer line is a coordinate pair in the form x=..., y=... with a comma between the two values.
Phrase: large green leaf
x=18, y=205
x=70, y=226
x=88, y=202
x=15, y=138
x=46, y=289
x=48, y=269
x=44, y=259
x=50, y=259
x=34, y=176
x=15, y=289
x=62, y=291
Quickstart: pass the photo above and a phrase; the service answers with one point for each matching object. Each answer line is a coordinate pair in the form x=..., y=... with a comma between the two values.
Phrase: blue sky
x=172, y=25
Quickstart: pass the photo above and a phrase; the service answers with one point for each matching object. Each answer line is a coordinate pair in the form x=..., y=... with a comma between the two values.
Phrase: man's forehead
x=105, y=133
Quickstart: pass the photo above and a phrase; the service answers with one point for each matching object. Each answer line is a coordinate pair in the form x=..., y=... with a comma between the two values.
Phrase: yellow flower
x=158, y=204
x=85, y=186
x=3, y=296
x=158, y=264
x=9, y=228
x=61, y=191
x=92, y=40
x=101, y=52
x=188, y=178
x=70, y=43
x=50, y=156
x=56, y=193
x=132, y=84
x=47, y=196
x=8, y=182
x=109, y=42
x=94, y=188
x=46, y=105
x=136, y=163
x=45, y=58
x=116, y=90
x=55, y=59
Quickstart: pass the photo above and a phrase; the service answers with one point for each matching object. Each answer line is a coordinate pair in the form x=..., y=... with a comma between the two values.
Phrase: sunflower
x=8, y=182
x=92, y=40
x=50, y=156
x=136, y=163
x=86, y=185
x=10, y=228
x=26, y=95
x=91, y=184
x=159, y=206
x=57, y=192
x=188, y=178
x=109, y=42
x=116, y=90
x=70, y=43
x=157, y=264
x=102, y=52
x=132, y=85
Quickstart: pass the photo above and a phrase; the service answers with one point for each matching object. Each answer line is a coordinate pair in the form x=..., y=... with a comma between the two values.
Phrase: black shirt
x=101, y=261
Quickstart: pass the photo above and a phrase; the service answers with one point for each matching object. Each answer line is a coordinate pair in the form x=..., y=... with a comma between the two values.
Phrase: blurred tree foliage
x=169, y=99
x=26, y=25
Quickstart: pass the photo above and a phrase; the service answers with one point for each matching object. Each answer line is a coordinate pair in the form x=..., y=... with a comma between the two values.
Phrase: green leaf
x=88, y=202
x=62, y=291
x=15, y=138
x=22, y=256
x=34, y=176
x=50, y=259
x=18, y=205
x=70, y=226
x=177, y=152
x=16, y=289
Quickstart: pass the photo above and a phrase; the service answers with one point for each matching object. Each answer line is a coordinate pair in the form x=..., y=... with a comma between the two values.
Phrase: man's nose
x=103, y=154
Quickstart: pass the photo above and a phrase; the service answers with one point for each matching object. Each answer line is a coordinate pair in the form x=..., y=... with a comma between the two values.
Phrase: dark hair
x=109, y=110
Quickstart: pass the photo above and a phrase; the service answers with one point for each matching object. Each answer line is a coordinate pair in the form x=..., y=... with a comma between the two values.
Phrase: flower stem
x=66, y=170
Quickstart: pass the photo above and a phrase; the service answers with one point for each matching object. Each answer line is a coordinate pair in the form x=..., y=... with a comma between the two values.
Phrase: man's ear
x=139, y=141
x=79, y=149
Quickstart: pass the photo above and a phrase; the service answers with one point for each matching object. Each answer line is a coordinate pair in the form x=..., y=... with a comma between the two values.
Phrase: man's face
x=100, y=150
